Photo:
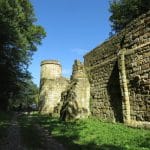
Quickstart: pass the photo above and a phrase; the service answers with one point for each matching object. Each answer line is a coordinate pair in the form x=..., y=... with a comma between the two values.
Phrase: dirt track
x=13, y=140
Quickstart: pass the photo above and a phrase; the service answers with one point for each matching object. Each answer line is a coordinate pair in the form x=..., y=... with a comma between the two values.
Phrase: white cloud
x=79, y=51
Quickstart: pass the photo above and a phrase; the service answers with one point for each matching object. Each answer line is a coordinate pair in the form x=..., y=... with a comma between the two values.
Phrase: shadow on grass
x=102, y=147
x=30, y=137
x=144, y=142
x=68, y=142
x=69, y=133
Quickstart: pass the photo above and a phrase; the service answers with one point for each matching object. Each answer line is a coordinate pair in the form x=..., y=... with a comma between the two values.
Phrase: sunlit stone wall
x=52, y=84
x=119, y=75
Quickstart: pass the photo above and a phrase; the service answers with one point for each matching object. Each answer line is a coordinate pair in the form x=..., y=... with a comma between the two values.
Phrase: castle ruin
x=118, y=74
x=76, y=99
x=68, y=99
x=52, y=84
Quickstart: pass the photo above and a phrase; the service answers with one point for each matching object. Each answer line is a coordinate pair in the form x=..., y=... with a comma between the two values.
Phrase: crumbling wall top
x=51, y=69
x=56, y=62
x=78, y=70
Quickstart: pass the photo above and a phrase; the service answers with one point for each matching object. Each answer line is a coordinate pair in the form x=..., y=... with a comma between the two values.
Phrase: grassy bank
x=93, y=134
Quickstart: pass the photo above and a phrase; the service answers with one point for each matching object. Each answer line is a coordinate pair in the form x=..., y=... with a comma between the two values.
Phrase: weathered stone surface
x=59, y=95
x=77, y=97
x=52, y=84
x=50, y=69
x=50, y=94
x=139, y=82
x=107, y=86
x=119, y=75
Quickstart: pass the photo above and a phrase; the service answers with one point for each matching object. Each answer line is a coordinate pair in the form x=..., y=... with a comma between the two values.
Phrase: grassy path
x=93, y=134
x=20, y=132
x=39, y=132
x=35, y=136
x=12, y=138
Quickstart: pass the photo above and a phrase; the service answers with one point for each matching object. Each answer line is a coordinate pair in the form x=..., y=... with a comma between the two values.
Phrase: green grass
x=93, y=134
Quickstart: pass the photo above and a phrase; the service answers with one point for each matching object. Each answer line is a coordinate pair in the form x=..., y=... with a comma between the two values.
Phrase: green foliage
x=94, y=134
x=124, y=11
x=27, y=96
x=19, y=37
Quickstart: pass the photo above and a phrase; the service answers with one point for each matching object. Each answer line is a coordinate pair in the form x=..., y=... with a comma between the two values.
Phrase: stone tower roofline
x=51, y=69
x=56, y=62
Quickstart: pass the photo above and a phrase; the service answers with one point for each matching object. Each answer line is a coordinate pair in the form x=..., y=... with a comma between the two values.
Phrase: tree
x=124, y=11
x=19, y=37
x=28, y=95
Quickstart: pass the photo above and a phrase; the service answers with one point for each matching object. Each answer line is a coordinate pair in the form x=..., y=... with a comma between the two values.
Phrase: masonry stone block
x=136, y=62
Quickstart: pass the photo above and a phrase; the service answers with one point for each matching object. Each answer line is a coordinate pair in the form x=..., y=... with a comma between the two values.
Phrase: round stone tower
x=52, y=84
x=50, y=69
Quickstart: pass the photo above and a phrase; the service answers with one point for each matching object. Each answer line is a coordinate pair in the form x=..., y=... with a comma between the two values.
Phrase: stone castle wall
x=118, y=83
x=135, y=84
x=77, y=97
x=119, y=74
x=59, y=96
x=137, y=64
x=50, y=94
x=52, y=84
x=50, y=69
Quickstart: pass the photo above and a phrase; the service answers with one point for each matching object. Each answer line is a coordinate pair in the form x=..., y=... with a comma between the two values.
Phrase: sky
x=73, y=27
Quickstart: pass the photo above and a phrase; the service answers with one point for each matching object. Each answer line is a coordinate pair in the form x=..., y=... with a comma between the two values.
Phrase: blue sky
x=73, y=27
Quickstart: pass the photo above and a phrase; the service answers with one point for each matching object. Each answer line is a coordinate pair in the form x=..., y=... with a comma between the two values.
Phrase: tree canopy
x=124, y=11
x=27, y=96
x=19, y=37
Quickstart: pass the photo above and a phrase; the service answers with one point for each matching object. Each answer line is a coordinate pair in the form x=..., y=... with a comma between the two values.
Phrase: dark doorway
x=114, y=91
